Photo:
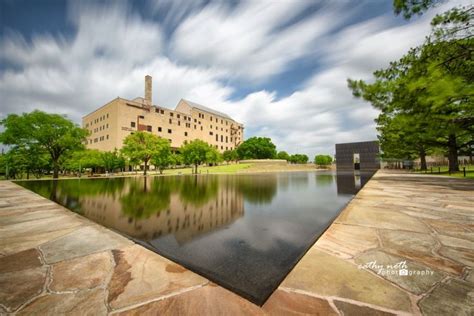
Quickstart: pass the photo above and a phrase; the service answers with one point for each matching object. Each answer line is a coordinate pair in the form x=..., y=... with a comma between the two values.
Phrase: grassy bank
x=444, y=171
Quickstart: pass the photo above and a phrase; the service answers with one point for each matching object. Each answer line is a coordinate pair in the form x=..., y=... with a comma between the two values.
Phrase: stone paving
x=53, y=261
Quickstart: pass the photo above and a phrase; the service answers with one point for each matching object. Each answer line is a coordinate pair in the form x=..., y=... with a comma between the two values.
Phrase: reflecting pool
x=244, y=232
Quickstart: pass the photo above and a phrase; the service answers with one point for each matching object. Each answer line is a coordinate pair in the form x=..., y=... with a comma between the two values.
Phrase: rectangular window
x=107, y=115
x=141, y=116
x=201, y=128
x=226, y=139
x=195, y=120
x=171, y=114
x=217, y=138
x=171, y=121
x=185, y=133
x=107, y=125
x=169, y=131
x=179, y=116
x=222, y=138
x=162, y=112
x=159, y=129
x=211, y=118
x=199, y=122
x=132, y=124
x=179, y=123
x=211, y=133
x=149, y=128
x=107, y=136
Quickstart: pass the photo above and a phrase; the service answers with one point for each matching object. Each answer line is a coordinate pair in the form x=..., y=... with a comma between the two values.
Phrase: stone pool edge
x=119, y=288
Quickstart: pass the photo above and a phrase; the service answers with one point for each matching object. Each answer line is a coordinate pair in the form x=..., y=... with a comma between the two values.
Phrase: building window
x=149, y=128
x=195, y=120
x=141, y=116
x=222, y=121
x=185, y=133
x=194, y=126
x=159, y=129
x=210, y=133
x=162, y=112
x=201, y=128
x=107, y=136
x=171, y=121
x=226, y=139
x=217, y=138
x=222, y=147
x=107, y=115
x=171, y=114
x=169, y=131
x=107, y=126
x=132, y=124
x=179, y=123
x=189, y=119
x=199, y=122
x=170, y=140
x=211, y=118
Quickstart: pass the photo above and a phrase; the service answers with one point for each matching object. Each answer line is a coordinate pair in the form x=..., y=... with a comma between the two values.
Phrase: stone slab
x=141, y=275
x=18, y=287
x=80, y=273
x=326, y=275
x=81, y=242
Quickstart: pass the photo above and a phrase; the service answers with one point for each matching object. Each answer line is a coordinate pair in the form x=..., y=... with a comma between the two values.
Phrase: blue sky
x=279, y=67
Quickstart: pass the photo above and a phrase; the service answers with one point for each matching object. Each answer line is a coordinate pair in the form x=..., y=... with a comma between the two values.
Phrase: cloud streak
x=202, y=52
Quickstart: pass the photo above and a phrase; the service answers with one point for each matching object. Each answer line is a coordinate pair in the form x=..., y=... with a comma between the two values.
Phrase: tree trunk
x=144, y=169
x=423, y=159
x=55, y=170
x=453, y=153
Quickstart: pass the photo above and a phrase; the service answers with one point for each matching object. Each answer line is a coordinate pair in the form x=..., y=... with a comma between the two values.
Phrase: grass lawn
x=443, y=170
x=231, y=168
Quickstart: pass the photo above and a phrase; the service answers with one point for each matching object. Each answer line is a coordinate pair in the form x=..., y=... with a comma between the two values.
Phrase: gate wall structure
x=368, y=155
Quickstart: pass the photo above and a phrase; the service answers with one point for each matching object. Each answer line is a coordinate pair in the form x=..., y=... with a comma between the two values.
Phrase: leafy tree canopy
x=283, y=155
x=140, y=147
x=323, y=160
x=257, y=148
x=53, y=133
x=197, y=152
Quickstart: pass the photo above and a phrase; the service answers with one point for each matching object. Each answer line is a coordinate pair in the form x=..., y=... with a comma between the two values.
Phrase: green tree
x=283, y=155
x=53, y=133
x=84, y=159
x=323, y=160
x=140, y=147
x=426, y=98
x=196, y=153
x=176, y=159
x=299, y=158
x=112, y=160
x=162, y=158
x=230, y=155
x=257, y=148
x=213, y=156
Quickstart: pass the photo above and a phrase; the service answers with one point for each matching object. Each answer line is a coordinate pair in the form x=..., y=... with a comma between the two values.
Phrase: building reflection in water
x=350, y=182
x=147, y=208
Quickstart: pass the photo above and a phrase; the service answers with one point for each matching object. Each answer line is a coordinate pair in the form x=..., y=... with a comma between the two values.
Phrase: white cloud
x=113, y=48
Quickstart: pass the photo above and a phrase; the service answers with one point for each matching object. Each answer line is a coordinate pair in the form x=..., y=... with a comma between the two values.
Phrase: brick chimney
x=148, y=87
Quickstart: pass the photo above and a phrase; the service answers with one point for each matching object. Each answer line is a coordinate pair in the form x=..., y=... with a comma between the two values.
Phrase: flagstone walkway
x=53, y=261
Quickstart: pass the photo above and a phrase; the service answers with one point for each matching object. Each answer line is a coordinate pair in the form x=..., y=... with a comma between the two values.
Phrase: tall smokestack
x=148, y=86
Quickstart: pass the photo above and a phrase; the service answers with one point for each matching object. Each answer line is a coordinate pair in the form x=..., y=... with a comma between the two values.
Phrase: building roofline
x=207, y=109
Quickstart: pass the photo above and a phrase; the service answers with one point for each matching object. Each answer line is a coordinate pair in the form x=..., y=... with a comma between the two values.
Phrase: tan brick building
x=111, y=123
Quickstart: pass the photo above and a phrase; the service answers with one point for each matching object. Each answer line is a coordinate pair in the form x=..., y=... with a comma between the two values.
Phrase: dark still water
x=244, y=232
